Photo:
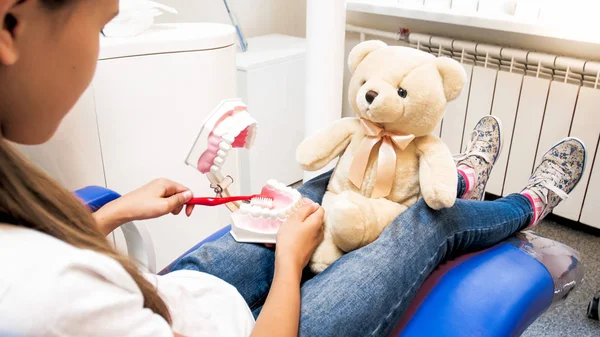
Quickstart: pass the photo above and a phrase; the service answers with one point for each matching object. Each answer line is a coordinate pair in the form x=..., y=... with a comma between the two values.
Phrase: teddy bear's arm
x=437, y=172
x=320, y=149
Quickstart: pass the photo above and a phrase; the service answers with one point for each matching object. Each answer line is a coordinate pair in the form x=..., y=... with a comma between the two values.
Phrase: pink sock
x=536, y=203
x=468, y=173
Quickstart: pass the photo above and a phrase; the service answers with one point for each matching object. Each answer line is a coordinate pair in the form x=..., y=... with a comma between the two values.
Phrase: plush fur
x=424, y=169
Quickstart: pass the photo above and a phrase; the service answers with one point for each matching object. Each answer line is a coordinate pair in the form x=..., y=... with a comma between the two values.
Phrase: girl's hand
x=299, y=236
x=155, y=199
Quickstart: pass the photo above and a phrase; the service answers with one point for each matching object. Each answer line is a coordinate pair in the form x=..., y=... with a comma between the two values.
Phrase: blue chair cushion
x=494, y=293
x=95, y=196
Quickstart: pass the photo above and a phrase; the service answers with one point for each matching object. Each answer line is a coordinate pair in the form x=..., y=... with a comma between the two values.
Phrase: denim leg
x=315, y=188
x=248, y=267
x=366, y=292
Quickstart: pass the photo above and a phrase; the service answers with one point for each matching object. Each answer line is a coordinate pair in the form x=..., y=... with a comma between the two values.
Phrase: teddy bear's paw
x=306, y=155
x=325, y=254
x=347, y=225
x=440, y=199
x=323, y=258
x=318, y=267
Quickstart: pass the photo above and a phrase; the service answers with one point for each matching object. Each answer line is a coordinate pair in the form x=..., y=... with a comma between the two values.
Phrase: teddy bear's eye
x=402, y=93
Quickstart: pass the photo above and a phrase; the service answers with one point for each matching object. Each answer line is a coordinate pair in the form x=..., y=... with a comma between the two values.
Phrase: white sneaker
x=555, y=177
x=480, y=155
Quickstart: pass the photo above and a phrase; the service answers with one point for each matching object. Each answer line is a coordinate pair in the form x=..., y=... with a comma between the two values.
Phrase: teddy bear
x=388, y=156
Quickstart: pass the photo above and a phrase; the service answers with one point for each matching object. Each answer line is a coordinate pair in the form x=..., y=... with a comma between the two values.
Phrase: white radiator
x=540, y=100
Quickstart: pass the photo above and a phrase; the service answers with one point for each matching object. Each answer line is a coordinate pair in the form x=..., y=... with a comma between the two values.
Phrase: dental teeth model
x=228, y=126
x=231, y=126
x=260, y=221
x=235, y=129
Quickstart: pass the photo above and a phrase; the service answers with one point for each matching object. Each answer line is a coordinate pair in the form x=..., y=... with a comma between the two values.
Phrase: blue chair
x=496, y=292
x=137, y=238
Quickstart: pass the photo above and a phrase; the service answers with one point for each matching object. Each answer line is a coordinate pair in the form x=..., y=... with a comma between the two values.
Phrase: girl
x=61, y=278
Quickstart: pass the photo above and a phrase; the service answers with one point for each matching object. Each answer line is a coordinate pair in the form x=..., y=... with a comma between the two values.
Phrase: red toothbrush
x=255, y=199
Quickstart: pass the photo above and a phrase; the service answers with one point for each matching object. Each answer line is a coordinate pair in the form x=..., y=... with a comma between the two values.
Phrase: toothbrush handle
x=218, y=201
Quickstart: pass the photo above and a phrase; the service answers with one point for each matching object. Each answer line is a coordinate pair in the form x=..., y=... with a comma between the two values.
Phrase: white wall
x=519, y=41
x=259, y=17
x=256, y=17
x=545, y=45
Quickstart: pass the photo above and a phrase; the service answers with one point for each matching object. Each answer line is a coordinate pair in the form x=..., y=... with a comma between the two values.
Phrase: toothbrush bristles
x=262, y=202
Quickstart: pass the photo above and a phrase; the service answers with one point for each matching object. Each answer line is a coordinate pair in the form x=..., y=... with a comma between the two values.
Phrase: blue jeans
x=366, y=292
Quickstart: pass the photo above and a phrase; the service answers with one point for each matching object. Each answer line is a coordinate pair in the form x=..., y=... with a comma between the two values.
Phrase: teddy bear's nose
x=370, y=96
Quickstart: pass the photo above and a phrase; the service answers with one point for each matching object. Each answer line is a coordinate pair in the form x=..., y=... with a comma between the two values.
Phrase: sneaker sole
x=584, y=156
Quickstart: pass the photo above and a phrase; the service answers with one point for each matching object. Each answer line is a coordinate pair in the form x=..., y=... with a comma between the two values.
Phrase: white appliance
x=139, y=118
x=271, y=80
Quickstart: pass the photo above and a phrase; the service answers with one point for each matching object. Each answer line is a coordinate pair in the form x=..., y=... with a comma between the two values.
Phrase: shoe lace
x=469, y=152
x=549, y=178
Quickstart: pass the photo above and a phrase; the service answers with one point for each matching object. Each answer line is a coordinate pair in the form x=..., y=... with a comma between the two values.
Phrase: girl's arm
x=280, y=315
x=297, y=239
x=158, y=198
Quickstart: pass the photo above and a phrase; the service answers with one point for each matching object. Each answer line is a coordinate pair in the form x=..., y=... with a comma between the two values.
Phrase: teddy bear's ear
x=361, y=51
x=453, y=76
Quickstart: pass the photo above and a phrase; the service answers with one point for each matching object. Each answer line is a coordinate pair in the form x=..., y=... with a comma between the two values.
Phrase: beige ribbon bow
x=386, y=163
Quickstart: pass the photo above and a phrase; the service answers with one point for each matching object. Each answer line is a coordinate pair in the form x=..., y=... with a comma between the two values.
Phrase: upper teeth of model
x=234, y=124
x=272, y=214
x=225, y=147
x=219, y=161
x=228, y=138
x=228, y=130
